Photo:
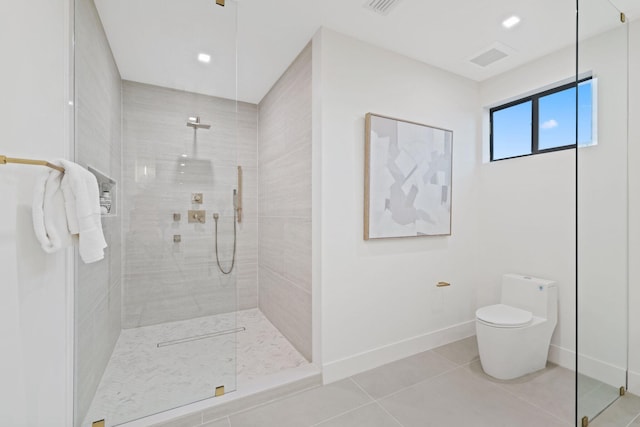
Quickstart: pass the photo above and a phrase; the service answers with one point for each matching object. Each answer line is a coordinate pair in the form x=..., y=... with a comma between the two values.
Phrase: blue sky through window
x=512, y=133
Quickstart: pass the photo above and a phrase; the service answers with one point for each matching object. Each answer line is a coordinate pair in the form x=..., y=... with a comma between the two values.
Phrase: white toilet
x=514, y=336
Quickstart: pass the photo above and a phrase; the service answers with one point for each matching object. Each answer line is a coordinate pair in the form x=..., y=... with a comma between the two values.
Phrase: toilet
x=514, y=336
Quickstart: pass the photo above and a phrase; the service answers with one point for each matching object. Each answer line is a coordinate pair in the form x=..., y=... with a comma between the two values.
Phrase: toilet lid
x=504, y=315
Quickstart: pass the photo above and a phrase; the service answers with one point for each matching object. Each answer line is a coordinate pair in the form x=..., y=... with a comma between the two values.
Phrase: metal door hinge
x=623, y=17
x=98, y=423
x=622, y=391
x=585, y=421
x=219, y=391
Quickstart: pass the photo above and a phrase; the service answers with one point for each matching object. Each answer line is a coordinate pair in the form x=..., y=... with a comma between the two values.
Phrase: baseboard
x=562, y=357
x=348, y=366
x=593, y=368
x=602, y=371
x=634, y=382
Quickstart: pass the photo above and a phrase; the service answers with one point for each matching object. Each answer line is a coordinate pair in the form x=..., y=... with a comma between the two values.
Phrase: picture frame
x=408, y=179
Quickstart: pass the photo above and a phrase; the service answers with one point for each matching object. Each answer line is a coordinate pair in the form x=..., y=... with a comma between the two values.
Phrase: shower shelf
x=107, y=187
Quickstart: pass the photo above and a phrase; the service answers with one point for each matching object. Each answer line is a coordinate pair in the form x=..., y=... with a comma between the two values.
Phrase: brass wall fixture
x=197, y=216
x=443, y=284
x=4, y=160
x=197, y=198
x=176, y=217
x=238, y=196
x=177, y=238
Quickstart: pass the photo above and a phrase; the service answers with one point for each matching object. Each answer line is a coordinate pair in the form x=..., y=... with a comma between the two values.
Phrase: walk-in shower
x=171, y=316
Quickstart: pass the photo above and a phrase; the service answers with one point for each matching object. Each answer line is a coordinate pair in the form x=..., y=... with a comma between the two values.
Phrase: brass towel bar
x=4, y=160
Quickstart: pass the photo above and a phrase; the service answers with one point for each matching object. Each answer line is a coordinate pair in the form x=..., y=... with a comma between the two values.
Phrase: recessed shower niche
x=108, y=193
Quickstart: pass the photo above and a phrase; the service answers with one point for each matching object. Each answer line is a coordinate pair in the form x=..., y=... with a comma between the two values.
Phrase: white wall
x=602, y=216
x=634, y=207
x=528, y=210
x=33, y=286
x=378, y=298
x=527, y=214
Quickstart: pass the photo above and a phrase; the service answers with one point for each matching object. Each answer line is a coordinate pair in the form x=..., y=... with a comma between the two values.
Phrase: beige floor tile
x=305, y=408
x=590, y=404
x=551, y=389
x=458, y=398
x=370, y=416
x=621, y=413
x=218, y=423
x=192, y=420
x=395, y=376
x=460, y=352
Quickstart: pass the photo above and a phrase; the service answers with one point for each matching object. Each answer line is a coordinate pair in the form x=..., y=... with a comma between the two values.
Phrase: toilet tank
x=538, y=296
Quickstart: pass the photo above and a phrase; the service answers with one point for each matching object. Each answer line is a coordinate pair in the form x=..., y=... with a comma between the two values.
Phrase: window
x=552, y=112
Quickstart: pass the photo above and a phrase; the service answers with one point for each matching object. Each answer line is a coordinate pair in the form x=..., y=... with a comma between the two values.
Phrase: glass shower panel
x=156, y=115
x=602, y=208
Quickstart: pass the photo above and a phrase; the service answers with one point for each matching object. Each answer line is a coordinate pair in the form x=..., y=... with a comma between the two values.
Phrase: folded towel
x=82, y=205
x=49, y=217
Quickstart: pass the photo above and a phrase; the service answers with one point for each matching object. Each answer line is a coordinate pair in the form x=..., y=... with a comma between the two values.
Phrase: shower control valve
x=197, y=216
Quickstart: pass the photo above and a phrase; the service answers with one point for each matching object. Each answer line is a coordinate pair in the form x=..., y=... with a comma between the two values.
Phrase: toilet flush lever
x=443, y=284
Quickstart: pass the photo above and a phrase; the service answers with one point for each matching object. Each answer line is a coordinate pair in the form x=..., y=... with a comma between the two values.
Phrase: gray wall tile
x=98, y=144
x=284, y=204
x=166, y=281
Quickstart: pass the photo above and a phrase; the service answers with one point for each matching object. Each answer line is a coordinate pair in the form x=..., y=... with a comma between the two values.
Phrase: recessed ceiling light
x=511, y=22
x=203, y=57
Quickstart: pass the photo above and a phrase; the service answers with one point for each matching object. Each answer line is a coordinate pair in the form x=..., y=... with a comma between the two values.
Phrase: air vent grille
x=381, y=6
x=489, y=57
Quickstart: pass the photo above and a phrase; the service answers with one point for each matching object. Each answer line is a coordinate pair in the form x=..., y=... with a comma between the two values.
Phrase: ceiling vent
x=493, y=53
x=381, y=7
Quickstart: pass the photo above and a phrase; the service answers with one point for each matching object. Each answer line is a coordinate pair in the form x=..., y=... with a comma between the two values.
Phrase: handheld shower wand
x=216, y=217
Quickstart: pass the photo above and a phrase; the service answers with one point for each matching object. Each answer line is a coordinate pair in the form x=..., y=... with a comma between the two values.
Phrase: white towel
x=49, y=217
x=82, y=205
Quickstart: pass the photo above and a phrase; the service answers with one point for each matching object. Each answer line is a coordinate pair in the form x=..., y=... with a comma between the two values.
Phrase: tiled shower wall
x=163, y=166
x=284, y=211
x=98, y=144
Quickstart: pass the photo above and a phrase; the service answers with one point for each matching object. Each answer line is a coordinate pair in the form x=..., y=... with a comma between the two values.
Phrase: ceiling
x=157, y=41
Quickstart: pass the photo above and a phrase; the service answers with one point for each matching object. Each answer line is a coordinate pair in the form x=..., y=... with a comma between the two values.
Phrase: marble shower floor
x=142, y=378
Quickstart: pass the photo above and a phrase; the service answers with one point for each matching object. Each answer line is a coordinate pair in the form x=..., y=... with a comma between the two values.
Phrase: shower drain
x=201, y=337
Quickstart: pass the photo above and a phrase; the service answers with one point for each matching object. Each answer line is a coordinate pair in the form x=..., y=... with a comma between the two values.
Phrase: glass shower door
x=602, y=264
x=156, y=120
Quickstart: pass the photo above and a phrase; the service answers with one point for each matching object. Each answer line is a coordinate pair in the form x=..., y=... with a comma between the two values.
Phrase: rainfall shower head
x=194, y=122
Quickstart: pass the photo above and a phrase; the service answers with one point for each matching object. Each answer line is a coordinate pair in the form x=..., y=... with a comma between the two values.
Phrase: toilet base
x=508, y=353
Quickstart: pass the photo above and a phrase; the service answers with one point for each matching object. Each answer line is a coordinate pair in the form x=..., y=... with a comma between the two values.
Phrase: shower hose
x=233, y=258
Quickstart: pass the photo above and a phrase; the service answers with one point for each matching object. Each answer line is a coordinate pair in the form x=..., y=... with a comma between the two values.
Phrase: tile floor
x=142, y=379
x=441, y=387
x=625, y=412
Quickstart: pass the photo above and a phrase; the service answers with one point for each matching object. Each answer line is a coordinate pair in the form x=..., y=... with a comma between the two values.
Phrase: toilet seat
x=504, y=316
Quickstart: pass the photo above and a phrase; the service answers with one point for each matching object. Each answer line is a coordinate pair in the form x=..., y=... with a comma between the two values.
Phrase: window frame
x=535, y=116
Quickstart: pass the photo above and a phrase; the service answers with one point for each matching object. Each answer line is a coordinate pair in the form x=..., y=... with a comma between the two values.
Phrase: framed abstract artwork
x=407, y=179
